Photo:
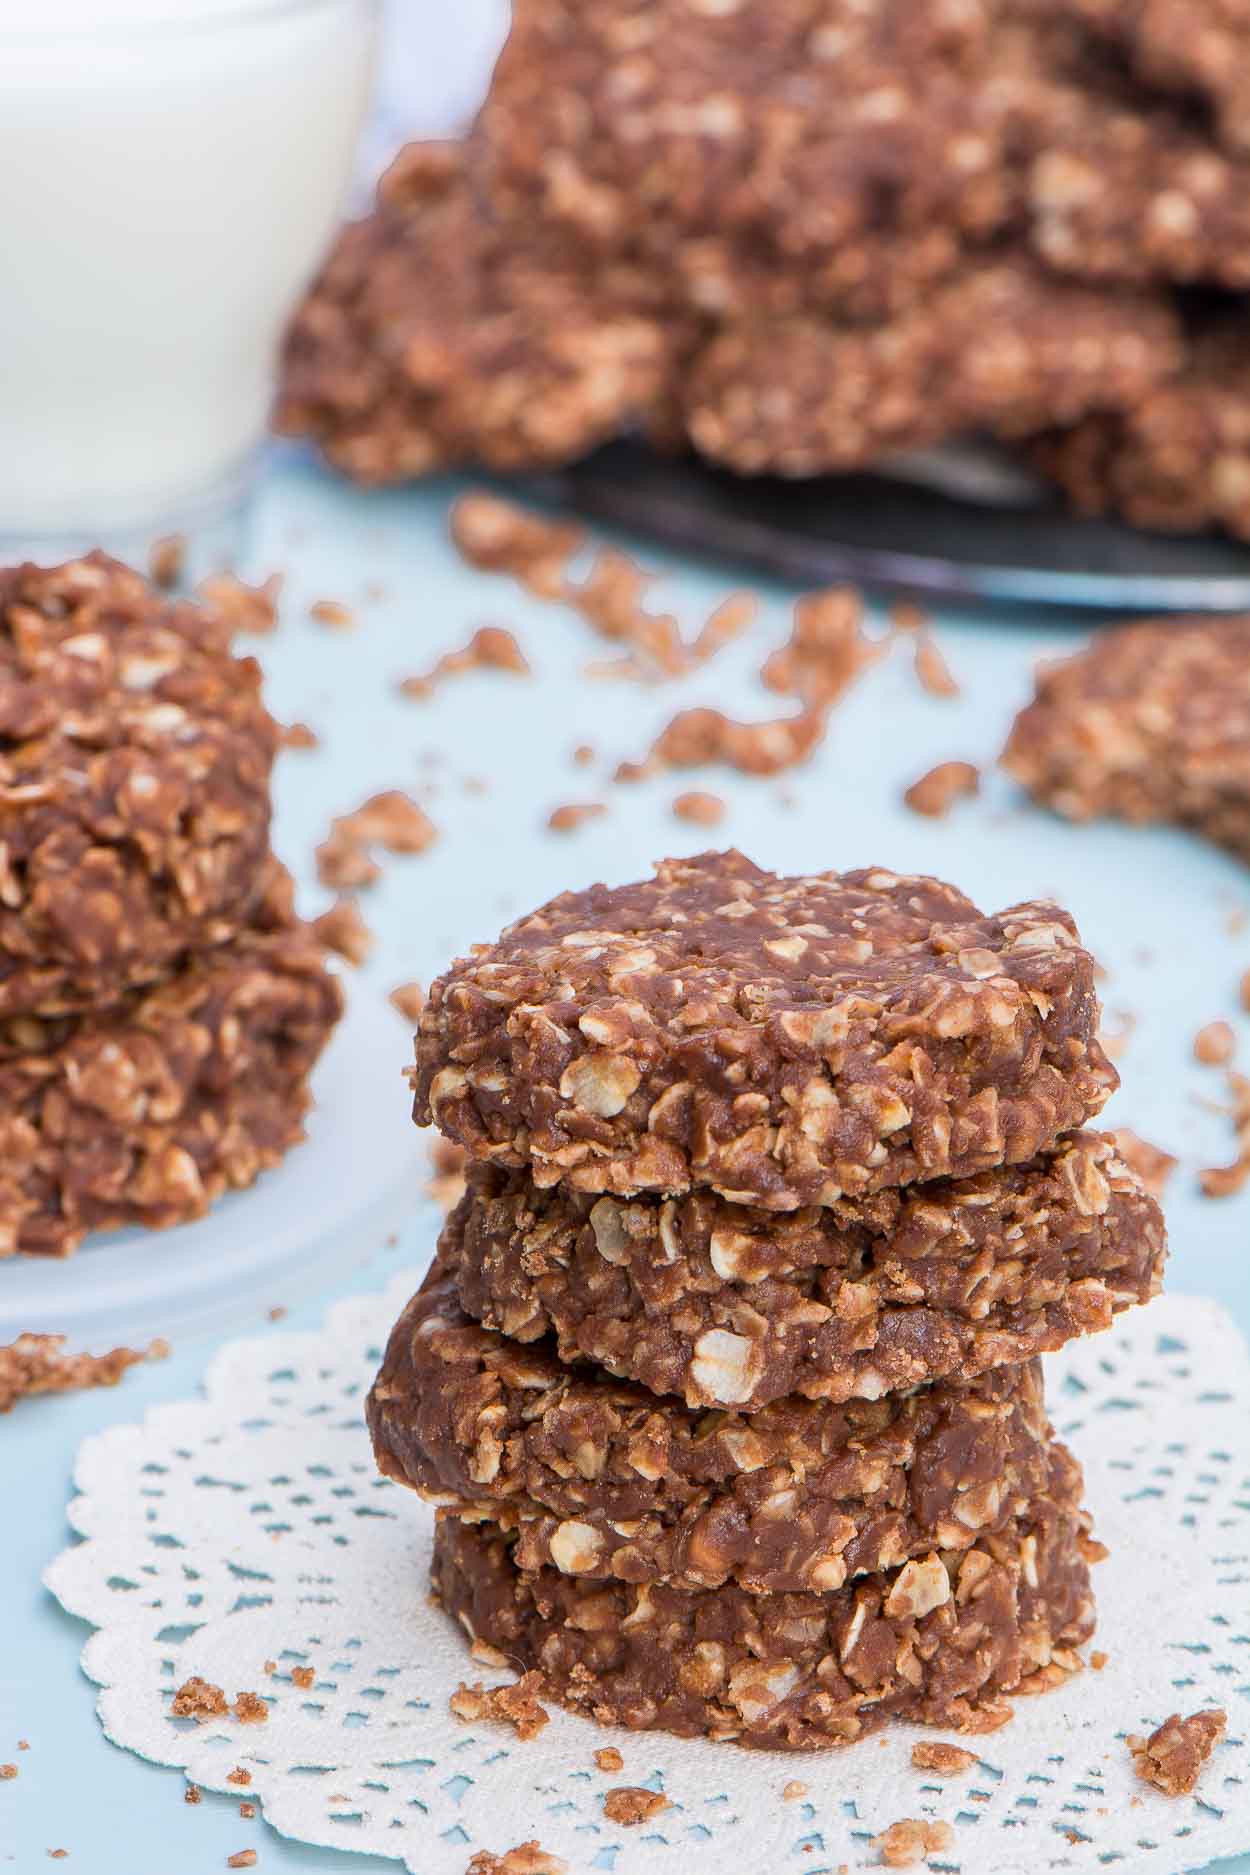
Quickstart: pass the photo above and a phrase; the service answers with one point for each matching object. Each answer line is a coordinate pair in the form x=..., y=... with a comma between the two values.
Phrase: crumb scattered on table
x=1098, y=1660
x=573, y=814
x=193, y=1794
x=391, y=820
x=303, y=1677
x=515, y=1705
x=630, y=1804
x=250, y=1709
x=491, y=648
x=332, y=612
x=247, y=1810
x=945, y=1760
x=342, y=930
x=936, y=792
x=608, y=1758
x=792, y=1791
x=932, y=670
x=300, y=736
x=500, y=538
x=703, y=810
x=1173, y=1756
x=583, y=755
x=909, y=1841
x=7, y=1771
x=242, y=1858
x=408, y=999
x=1214, y=1044
x=38, y=1364
x=698, y=737
x=238, y=1775
x=827, y=649
x=1222, y=1181
x=199, y=1699
x=728, y=621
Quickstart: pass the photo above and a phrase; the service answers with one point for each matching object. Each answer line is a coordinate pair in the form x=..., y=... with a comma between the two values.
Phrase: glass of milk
x=171, y=172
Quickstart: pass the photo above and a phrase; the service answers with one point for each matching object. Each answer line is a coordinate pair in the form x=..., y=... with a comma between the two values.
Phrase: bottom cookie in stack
x=791, y=1578
x=146, y=1111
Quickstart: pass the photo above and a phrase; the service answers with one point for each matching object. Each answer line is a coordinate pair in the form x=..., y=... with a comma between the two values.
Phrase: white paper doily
x=251, y=1526
x=355, y=1173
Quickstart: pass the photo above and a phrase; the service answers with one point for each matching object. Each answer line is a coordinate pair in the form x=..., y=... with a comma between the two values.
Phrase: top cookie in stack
x=808, y=1152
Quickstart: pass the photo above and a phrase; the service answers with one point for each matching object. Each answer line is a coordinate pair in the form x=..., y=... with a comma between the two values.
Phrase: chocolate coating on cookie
x=602, y=1479
x=148, y=1111
x=784, y=1041
x=730, y=1305
x=939, y=1640
x=134, y=784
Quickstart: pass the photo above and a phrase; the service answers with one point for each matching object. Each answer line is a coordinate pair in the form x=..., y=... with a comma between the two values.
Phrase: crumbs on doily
x=630, y=1804
x=1173, y=1756
x=526, y=1859
x=911, y=1841
x=515, y=1704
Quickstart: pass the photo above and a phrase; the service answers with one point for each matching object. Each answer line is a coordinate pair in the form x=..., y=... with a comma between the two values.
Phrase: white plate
x=352, y=1179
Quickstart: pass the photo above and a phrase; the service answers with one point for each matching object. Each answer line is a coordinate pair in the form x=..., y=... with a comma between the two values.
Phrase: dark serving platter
x=903, y=535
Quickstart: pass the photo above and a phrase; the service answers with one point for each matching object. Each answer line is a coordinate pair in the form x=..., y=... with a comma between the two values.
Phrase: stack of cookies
x=725, y=1377
x=161, y=1006
x=802, y=236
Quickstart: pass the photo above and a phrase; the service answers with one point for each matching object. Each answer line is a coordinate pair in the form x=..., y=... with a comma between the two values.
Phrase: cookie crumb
x=792, y=1791
x=1173, y=1756
x=409, y=1000
x=36, y=1364
x=730, y=619
x=247, y=1810
x=932, y=670
x=193, y=1794
x=583, y=755
x=698, y=737
x=827, y=649
x=199, y=1699
x=907, y=616
x=332, y=612
x=1153, y=1166
x=573, y=814
x=910, y=1841
x=703, y=810
x=242, y=1858
x=391, y=820
x=516, y=1704
x=630, y=1804
x=238, y=1775
x=499, y=538
x=58, y=1855
x=491, y=648
x=7, y=1771
x=240, y=607
x=342, y=930
x=1222, y=1181
x=945, y=1760
x=526, y=1859
x=1214, y=1044
x=936, y=792
x=1098, y=1660
x=303, y=1677
x=250, y=1709
x=300, y=736
x=166, y=559
x=608, y=1758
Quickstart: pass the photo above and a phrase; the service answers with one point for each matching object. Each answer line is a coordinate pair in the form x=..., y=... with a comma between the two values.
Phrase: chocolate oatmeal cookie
x=1178, y=459
x=940, y=1639
x=432, y=338
x=1151, y=723
x=603, y=1480
x=147, y=1111
x=134, y=785
x=729, y=1305
x=783, y=1041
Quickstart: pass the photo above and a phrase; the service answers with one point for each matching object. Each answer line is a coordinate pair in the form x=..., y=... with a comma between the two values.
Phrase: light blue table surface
x=1162, y=911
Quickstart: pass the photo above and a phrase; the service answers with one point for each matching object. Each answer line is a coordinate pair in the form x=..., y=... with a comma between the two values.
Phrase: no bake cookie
x=134, y=784
x=147, y=1111
x=729, y=1305
x=940, y=1640
x=783, y=1041
x=603, y=1480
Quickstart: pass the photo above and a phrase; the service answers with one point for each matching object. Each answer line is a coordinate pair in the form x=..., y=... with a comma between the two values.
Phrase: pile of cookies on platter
x=161, y=1006
x=726, y=1376
x=804, y=236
